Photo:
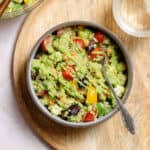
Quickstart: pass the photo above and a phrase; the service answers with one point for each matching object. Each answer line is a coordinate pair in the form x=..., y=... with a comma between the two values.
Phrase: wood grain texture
x=110, y=135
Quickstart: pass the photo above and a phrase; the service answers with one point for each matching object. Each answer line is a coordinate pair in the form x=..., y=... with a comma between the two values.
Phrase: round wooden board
x=110, y=135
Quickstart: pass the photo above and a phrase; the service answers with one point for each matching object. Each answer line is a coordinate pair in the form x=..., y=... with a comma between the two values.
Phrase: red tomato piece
x=93, y=53
x=80, y=42
x=88, y=117
x=45, y=43
x=67, y=75
x=67, y=72
x=99, y=36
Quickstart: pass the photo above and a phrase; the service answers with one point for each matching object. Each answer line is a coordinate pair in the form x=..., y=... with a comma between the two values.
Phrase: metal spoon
x=3, y=6
x=127, y=119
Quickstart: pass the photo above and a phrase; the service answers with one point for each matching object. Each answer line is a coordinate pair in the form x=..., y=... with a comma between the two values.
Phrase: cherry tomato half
x=80, y=42
x=99, y=36
x=88, y=117
x=67, y=72
x=46, y=43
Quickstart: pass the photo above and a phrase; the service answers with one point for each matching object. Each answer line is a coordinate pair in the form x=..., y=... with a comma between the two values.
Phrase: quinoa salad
x=67, y=74
x=16, y=5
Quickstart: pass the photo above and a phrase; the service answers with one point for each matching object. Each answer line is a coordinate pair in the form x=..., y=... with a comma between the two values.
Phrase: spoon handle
x=127, y=119
x=3, y=6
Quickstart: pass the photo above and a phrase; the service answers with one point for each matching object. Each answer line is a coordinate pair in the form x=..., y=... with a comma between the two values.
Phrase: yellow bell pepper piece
x=27, y=2
x=91, y=97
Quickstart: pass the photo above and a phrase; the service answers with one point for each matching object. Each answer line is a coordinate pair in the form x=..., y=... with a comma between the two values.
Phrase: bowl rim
x=42, y=108
x=13, y=14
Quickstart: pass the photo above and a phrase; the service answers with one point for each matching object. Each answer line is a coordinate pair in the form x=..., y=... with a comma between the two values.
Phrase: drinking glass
x=133, y=16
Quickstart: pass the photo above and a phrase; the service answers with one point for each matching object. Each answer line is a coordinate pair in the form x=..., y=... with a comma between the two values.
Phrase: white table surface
x=15, y=134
